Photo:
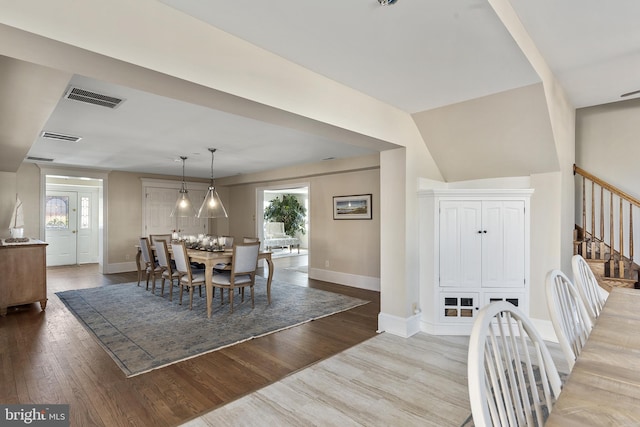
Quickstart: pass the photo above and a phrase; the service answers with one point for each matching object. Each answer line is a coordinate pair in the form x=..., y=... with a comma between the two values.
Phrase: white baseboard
x=121, y=267
x=362, y=282
x=440, y=329
x=544, y=328
x=403, y=327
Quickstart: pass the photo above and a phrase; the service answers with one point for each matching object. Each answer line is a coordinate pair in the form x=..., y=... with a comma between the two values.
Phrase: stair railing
x=618, y=214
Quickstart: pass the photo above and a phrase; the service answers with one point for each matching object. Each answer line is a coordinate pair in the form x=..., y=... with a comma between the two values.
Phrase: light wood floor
x=49, y=358
x=384, y=381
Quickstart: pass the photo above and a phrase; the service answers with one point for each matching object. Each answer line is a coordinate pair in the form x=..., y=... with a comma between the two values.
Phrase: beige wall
x=607, y=143
x=352, y=246
x=491, y=136
x=8, y=191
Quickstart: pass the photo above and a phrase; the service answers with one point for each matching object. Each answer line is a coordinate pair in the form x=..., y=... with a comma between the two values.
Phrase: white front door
x=61, y=220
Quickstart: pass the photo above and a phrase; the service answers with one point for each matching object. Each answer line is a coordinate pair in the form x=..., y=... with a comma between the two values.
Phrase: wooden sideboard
x=24, y=274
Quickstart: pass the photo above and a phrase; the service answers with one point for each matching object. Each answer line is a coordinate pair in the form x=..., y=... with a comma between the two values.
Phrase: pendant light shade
x=212, y=206
x=183, y=207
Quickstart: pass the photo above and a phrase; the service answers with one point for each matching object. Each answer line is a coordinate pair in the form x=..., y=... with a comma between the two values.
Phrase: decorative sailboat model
x=17, y=220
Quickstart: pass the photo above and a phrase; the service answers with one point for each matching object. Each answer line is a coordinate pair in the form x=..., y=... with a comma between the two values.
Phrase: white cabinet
x=474, y=249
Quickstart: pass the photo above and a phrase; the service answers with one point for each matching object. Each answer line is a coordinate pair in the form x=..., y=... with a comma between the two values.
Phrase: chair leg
x=190, y=297
x=153, y=285
x=253, y=305
x=181, y=289
x=171, y=289
x=162, y=287
x=231, y=298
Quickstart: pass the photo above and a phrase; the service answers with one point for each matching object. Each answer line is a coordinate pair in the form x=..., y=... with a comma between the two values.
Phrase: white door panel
x=460, y=262
x=61, y=227
x=159, y=203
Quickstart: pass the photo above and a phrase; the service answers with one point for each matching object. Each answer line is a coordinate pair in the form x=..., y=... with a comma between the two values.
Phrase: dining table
x=209, y=259
x=603, y=388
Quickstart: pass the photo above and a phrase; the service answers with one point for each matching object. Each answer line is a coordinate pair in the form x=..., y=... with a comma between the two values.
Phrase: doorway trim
x=103, y=192
x=260, y=206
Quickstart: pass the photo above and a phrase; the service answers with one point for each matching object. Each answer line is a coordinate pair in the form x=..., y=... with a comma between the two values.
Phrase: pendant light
x=183, y=207
x=212, y=206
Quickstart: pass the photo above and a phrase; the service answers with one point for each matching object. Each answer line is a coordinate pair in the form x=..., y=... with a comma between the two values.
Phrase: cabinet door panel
x=503, y=244
x=460, y=244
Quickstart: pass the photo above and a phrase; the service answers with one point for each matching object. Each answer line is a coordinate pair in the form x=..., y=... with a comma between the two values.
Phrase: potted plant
x=289, y=211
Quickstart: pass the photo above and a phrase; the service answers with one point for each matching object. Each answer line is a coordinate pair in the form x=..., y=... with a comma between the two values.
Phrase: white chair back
x=180, y=257
x=569, y=316
x=590, y=291
x=245, y=258
x=162, y=252
x=228, y=242
x=513, y=380
x=146, y=251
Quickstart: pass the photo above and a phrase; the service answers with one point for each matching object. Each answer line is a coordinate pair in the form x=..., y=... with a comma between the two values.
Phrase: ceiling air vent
x=60, y=137
x=39, y=159
x=83, y=95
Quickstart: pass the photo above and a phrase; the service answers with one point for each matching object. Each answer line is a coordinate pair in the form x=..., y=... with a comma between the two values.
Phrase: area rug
x=142, y=331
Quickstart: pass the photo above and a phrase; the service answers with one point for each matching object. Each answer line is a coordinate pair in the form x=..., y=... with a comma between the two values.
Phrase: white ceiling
x=416, y=55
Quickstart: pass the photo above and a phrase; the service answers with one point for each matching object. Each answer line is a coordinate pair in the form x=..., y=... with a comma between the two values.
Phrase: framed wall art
x=352, y=207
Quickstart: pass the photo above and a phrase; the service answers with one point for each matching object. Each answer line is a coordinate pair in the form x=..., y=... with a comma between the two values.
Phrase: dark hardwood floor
x=49, y=358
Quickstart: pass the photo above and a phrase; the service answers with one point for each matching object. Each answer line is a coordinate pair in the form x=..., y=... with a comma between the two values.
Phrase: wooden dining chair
x=590, y=291
x=168, y=270
x=189, y=277
x=513, y=380
x=242, y=273
x=151, y=267
x=569, y=317
x=154, y=238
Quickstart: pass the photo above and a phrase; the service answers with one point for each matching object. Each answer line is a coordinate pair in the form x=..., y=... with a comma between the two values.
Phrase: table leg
x=208, y=277
x=269, y=278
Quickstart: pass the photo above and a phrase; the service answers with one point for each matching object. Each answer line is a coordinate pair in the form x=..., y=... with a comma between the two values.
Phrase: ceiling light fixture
x=212, y=206
x=386, y=2
x=183, y=207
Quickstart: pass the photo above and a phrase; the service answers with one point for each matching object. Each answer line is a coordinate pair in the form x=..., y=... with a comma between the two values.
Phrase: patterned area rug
x=142, y=331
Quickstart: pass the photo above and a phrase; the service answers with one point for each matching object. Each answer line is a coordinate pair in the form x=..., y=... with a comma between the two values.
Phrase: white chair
x=569, y=316
x=168, y=271
x=590, y=291
x=241, y=274
x=188, y=277
x=513, y=380
x=275, y=230
x=151, y=267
